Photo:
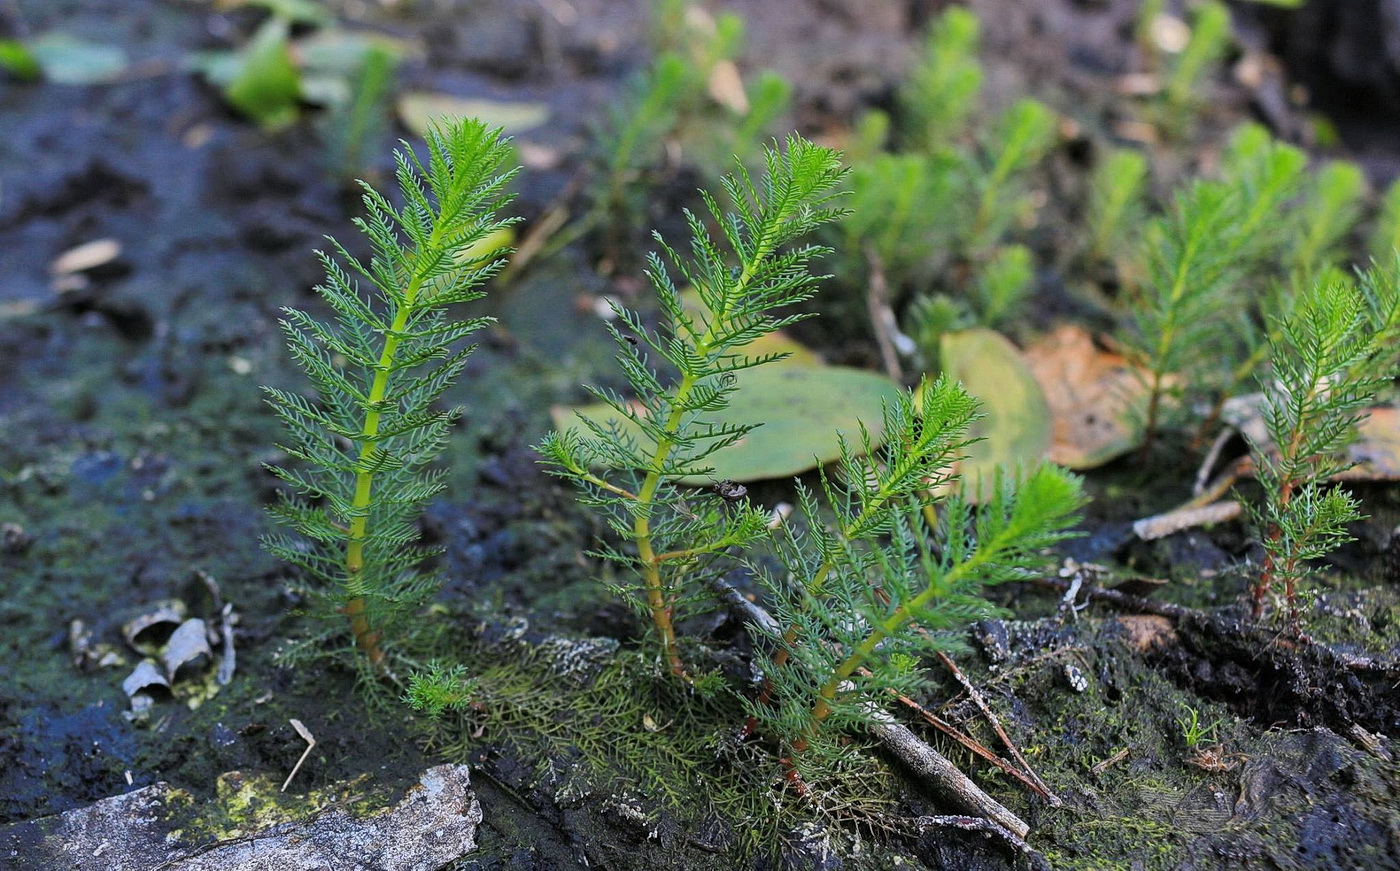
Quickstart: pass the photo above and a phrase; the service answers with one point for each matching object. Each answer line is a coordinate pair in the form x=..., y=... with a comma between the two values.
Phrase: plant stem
x=901, y=615
x=657, y=601
x=367, y=636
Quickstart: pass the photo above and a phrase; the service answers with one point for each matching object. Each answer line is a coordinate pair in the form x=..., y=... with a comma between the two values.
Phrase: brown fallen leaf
x=1097, y=401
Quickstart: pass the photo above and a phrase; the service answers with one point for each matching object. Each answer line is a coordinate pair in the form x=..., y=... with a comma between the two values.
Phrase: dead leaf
x=1376, y=450
x=1097, y=401
x=1015, y=430
x=804, y=411
x=1147, y=632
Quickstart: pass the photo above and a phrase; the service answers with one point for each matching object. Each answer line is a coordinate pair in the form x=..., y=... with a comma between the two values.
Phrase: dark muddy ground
x=134, y=437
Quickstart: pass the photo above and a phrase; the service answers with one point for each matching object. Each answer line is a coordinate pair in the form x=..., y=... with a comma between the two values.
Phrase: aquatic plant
x=1328, y=359
x=932, y=217
x=898, y=573
x=1210, y=37
x=1192, y=310
x=690, y=96
x=743, y=278
x=378, y=368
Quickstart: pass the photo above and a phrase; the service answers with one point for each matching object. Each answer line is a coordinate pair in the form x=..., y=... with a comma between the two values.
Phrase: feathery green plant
x=1210, y=37
x=743, y=278
x=1020, y=140
x=1385, y=237
x=1328, y=360
x=360, y=122
x=1115, y=202
x=941, y=94
x=1147, y=13
x=1331, y=208
x=1003, y=283
x=379, y=368
x=672, y=101
x=862, y=599
x=1205, y=260
x=1189, y=266
x=933, y=217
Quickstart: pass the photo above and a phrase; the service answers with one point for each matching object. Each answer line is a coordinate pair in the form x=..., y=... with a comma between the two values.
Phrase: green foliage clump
x=1115, y=202
x=1328, y=359
x=941, y=93
x=378, y=369
x=1191, y=261
x=1330, y=209
x=673, y=101
x=899, y=572
x=1210, y=37
x=743, y=278
x=1221, y=240
x=933, y=216
x=1385, y=237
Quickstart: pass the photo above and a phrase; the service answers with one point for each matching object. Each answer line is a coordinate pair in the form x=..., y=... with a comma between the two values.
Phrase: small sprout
x=941, y=94
x=743, y=278
x=441, y=689
x=1329, y=358
x=1193, y=731
x=1210, y=37
x=379, y=368
x=1115, y=201
x=1385, y=238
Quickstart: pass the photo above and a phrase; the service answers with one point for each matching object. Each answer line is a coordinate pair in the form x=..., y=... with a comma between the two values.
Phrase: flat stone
x=433, y=824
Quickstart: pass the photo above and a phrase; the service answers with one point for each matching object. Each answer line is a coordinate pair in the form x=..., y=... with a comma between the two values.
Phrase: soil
x=134, y=438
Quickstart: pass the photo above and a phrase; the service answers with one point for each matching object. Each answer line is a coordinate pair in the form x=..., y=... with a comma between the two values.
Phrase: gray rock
x=433, y=824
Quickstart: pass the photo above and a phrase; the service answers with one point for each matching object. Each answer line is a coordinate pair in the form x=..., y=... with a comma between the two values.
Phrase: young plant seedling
x=941, y=94
x=1115, y=203
x=1210, y=37
x=933, y=218
x=743, y=278
x=898, y=573
x=378, y=368
x=1328, y=359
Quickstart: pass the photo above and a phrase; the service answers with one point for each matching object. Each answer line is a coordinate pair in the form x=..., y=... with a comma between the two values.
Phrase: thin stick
x=752, y=613
x=975, y=746
x=976, y=824
x=1101, y=767
x=1124, y=600
x=306, y=736
x=981, y=702
x=1185, y=517
x=1213, y=455
x=882, y=316
x=934, y=768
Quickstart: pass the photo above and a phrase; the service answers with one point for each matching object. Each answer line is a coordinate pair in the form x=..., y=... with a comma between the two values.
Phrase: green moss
x=599, y=722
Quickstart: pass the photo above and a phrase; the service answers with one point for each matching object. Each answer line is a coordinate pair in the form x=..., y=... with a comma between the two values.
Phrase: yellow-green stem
x=1164, y=343
x=901, y=615
x=367, y=636
x=655, y=591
